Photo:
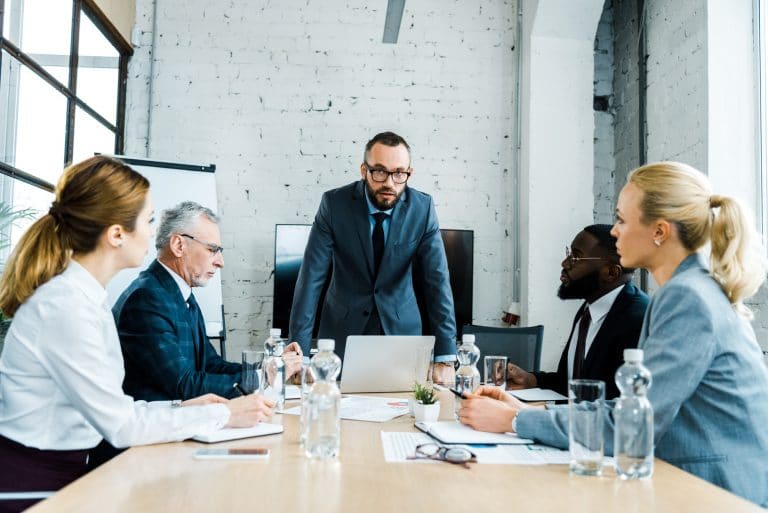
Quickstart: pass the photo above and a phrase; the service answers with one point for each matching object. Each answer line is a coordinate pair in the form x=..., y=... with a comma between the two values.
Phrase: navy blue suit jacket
x=163, y=359
x=340, y=240
x=620, y=330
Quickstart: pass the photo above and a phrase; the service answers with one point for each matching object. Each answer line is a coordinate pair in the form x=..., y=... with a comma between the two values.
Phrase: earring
x=657, y=242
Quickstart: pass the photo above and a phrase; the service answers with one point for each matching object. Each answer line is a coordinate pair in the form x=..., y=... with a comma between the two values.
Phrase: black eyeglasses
x=570, y=259
x=456, y=455
x=380, y=174
x=213, y=248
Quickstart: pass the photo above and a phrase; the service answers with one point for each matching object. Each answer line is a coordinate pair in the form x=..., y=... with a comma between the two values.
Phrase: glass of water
x=585, y=426
x=307, y=380
x=250, y=375
x=495, y=370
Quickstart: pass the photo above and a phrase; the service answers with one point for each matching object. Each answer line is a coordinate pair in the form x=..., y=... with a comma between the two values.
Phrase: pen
x=457, y=393
x=239, y=389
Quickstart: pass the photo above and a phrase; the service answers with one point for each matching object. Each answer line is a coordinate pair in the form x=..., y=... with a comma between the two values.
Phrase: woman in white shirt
x=61, y=371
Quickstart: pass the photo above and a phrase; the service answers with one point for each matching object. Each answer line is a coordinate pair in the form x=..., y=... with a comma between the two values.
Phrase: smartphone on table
x=250, y=453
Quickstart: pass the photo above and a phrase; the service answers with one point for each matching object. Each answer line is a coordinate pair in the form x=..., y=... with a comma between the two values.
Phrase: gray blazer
x=340, y=240
x=709, y=392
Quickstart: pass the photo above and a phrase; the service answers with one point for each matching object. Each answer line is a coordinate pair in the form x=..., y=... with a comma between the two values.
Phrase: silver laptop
x=383, y=363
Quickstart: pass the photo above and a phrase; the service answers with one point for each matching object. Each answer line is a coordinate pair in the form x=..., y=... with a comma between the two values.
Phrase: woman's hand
x=204, y=399
x=249, y=410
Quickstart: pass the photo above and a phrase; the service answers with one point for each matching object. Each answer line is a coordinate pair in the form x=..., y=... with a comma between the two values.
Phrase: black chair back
x=521, y=346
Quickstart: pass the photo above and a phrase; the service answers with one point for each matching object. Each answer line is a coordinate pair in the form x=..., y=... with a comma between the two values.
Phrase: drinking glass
x=495, y=370
x=253, y=362
x=585, y=426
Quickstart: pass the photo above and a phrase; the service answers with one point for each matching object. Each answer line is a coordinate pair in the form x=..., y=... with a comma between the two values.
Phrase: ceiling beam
x=392, y=22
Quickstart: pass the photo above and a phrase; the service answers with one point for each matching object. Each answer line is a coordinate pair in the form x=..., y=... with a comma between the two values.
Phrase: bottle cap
x=468, y=338
x=275, y=332
x=633, y=355
x=326, y=344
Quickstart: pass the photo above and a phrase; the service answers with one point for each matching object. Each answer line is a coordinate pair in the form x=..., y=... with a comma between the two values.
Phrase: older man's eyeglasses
x=380, y=174
x=457, y=455
x=571, y=260
x=213, y=248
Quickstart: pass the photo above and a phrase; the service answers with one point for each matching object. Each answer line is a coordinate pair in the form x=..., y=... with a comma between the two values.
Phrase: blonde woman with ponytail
x=710, y=386
x=61, y=370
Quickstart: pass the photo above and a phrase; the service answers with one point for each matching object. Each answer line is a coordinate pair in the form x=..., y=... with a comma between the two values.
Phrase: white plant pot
x=426, y=412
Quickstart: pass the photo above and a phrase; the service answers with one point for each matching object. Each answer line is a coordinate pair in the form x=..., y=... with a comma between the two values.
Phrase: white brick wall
x=282, y=96
x=677, y=78
x=605, y=161
x=677, y=96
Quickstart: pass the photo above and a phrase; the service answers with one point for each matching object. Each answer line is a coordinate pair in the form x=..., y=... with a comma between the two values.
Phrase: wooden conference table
x=165, y=478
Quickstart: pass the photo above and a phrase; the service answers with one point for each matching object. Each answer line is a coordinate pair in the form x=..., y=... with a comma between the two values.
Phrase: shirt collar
x=601, y=306
x=86, y=282
x=184, y=287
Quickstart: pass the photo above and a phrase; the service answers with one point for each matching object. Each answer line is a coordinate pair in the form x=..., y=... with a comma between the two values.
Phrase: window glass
x=39, y=26
x=98, y=70
x=35, y=139
x=27, y=196
x=91, y=137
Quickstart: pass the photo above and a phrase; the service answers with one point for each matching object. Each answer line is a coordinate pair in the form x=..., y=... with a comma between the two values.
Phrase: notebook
x=222, y=435
x=382, y=363
x=453, y=432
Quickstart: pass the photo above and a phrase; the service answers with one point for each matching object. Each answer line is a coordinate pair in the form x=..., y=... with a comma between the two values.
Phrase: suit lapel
x=362, y=224
x=167, y=282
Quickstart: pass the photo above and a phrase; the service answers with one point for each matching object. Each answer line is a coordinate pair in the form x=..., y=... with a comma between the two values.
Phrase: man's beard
x=377, y=202
x=580, y=288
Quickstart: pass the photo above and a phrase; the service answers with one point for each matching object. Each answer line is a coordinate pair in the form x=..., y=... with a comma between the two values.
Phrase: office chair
x=521, y=346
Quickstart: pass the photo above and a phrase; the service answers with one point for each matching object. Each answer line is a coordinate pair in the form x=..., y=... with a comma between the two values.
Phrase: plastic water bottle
x=467, y=376
x=633, y=416
x=323, y=423
x=273, y=382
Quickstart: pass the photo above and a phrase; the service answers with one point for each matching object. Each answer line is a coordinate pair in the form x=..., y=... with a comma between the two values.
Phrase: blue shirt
x=372, y=220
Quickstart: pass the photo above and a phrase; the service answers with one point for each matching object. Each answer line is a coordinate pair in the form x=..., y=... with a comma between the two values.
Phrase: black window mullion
x=121, y=93
x=69, y=136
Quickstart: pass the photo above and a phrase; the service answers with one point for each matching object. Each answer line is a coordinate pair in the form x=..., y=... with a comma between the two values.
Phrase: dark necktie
x=378, y=241
x=581, y=343
x=195, y=323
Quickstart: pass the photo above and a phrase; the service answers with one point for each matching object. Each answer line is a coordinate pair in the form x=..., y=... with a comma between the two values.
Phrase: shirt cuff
x=445, y=358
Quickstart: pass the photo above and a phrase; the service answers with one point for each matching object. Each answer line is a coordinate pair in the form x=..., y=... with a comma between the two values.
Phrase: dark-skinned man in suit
x=608, y=321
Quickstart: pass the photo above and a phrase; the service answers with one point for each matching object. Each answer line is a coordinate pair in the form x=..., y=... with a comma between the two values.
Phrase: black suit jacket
x=620, y=331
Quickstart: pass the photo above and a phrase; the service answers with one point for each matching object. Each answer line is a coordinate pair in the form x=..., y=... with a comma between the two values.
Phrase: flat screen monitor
x=291, y=240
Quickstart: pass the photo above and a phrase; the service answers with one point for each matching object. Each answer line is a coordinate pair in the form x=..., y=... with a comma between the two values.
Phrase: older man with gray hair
x=162, y=332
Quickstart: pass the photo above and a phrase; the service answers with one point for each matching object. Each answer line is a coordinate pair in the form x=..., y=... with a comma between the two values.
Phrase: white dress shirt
x=61, y=376
x=598, y=311
x=184, y=287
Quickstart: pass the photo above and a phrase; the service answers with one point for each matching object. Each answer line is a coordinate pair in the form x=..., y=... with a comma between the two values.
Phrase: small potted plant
x=426, y=407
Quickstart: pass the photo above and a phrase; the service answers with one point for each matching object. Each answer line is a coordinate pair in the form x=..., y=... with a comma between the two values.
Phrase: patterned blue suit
x=166, y=351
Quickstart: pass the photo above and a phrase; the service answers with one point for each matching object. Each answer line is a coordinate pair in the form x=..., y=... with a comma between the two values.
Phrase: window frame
x=69, y=90
x=760, y=23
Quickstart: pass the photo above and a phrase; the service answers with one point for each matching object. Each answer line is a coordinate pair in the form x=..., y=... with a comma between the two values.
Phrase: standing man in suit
x=608, y=321
x=369, y=234
x=162, y=332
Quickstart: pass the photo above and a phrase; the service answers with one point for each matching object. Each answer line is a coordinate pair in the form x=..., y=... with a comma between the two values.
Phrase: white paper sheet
x=292, y=392
x=537, y=394
x=370, y=409
x=398, y=446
